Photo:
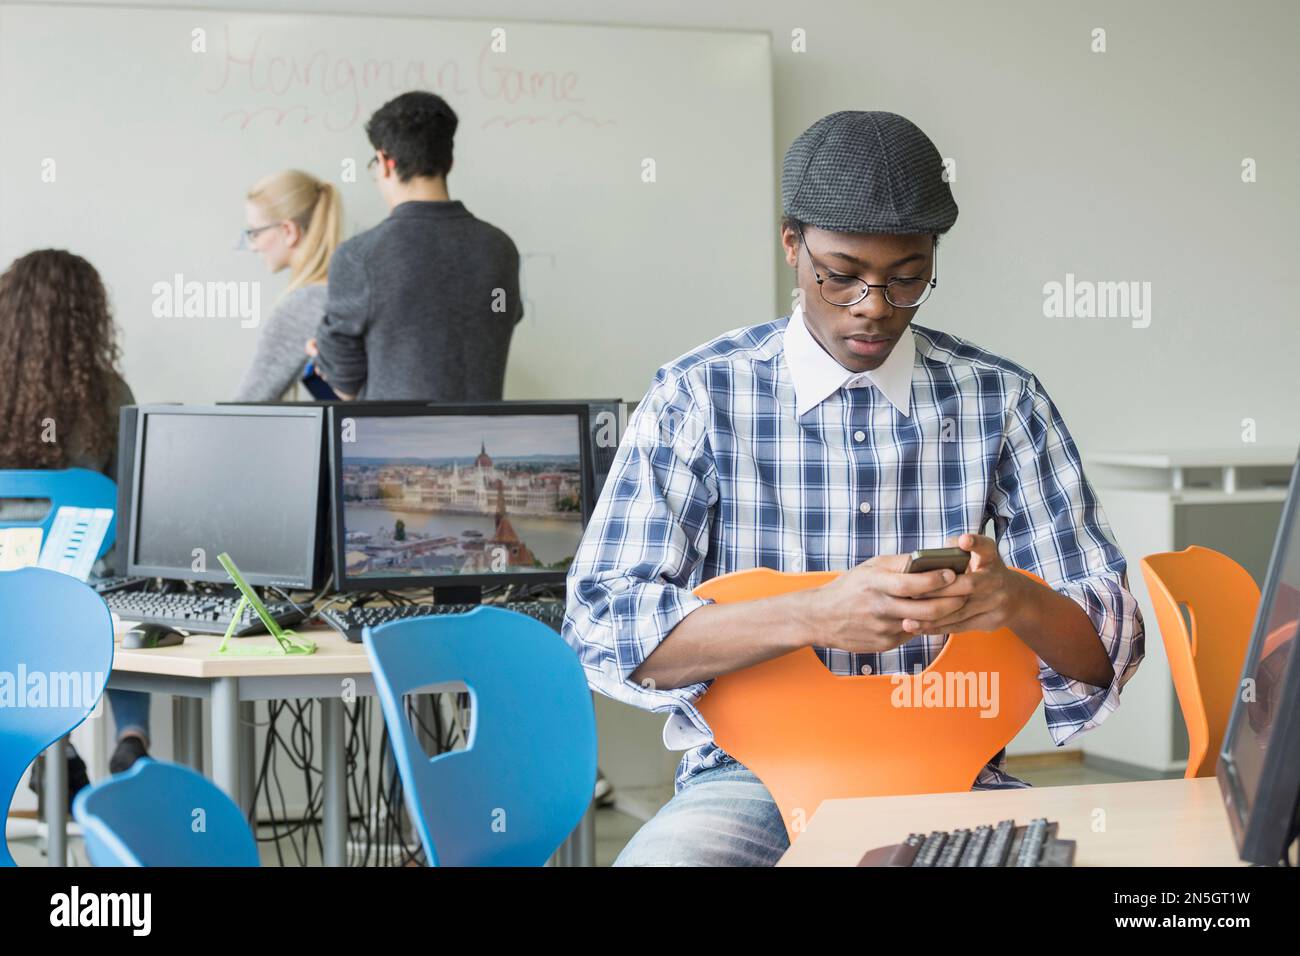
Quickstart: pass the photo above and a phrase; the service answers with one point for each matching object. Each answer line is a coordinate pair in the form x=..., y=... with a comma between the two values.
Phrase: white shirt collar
x=817, y=375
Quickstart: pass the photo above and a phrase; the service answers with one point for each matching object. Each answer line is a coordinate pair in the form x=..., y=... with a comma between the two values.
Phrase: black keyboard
x=350, y=622
x=1003, y=845
x=118, y=582
x=196, y=613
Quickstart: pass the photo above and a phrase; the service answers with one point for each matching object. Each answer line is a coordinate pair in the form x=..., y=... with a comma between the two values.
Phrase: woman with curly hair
x=59, y=404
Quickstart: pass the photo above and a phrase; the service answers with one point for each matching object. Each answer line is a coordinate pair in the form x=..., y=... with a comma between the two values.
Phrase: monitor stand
x=458, y=594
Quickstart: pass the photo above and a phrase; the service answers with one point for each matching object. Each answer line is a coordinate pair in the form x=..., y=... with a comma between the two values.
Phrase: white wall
x=136, y=151
x=1124, y=165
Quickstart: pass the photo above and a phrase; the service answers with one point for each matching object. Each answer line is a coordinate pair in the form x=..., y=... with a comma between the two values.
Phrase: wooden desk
x=197, y=657
x=1147, y=823
x=192, y=671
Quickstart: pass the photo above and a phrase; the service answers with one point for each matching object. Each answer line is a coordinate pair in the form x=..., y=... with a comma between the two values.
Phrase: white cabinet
x=1226, y=499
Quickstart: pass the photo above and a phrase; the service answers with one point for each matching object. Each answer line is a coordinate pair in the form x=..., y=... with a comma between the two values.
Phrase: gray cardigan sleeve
x=279, y=358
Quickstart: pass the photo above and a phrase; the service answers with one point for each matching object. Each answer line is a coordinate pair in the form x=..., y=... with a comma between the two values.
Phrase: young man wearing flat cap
x=841, y=437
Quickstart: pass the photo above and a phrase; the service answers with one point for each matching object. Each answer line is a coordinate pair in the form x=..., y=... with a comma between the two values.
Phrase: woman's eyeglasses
x=246, y=236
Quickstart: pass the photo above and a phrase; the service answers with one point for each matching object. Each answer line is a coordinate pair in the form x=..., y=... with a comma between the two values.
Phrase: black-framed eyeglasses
x=847, y=290
x=373, y=161
x=246, y=236
x=253, y=232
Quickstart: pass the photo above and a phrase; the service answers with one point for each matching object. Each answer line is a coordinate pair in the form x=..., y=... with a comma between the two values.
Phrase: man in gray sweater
x=423, y=305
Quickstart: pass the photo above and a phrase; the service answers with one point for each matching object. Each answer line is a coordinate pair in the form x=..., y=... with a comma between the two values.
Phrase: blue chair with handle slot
x=527, y=773
x=163, y=814
x=56, y=652
x=73, y=487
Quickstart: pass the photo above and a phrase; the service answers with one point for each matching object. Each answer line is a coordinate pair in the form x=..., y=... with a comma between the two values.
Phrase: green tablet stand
x=288, y=642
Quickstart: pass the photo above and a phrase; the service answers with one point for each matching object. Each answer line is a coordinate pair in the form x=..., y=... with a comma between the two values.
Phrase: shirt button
x=859, y=436
x=864, y=507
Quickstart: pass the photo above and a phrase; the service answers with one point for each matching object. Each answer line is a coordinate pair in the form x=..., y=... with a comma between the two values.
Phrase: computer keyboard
x=1003, y=845
x=196, y=613
x=118, y=582
x=350, y=622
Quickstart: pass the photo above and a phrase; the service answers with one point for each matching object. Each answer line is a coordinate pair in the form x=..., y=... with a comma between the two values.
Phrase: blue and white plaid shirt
x=758, y=449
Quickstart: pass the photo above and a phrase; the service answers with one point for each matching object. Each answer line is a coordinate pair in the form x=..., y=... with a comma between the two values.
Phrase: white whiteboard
x=152, y=147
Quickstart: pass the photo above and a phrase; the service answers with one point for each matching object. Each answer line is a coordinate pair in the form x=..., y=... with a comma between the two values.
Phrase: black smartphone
x=935, y=559
x=317, y=386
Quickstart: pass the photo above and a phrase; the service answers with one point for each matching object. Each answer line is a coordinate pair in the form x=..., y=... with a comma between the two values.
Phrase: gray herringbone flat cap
x=857, y=171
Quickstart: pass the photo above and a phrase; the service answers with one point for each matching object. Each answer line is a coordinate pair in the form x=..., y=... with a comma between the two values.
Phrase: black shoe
x=127, y=752
x=77, y=776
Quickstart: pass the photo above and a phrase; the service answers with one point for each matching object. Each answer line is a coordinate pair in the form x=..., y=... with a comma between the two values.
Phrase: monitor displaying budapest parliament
x=448, y=495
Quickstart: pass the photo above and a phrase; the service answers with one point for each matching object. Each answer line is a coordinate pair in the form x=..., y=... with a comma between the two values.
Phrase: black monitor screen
x=1258, y=773
x=471, y=498
x=247, y=484
x=1266, y=667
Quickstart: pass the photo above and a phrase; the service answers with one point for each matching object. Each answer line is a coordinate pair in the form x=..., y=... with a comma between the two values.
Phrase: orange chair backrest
x=1221, y=599
x=811, y=735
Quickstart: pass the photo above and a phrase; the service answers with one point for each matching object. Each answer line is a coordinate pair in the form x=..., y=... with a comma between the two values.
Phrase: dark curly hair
x=416, y=130
x=58, y=362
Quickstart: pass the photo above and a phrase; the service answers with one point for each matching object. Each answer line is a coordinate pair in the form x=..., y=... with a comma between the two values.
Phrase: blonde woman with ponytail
x=294, y=223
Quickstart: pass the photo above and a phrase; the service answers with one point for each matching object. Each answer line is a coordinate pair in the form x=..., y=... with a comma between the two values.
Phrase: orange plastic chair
x=1222, y=599
x=811, y=735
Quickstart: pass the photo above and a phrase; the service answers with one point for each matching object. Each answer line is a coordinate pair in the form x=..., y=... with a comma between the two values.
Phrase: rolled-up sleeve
x=630, y=582
x=1048, y=520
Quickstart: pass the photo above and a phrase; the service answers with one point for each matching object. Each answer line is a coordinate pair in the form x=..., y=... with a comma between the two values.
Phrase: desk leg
x=180, y=734
x=187, y=732
x=56, y=794
x=579, y=847
x=225, y=736
x=584, y=849
x=192, y=708
x=247, y=755
x=334, y=771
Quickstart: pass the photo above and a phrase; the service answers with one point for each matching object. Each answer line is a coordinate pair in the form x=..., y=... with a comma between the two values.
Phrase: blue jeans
x=130, y=711
x=723, y=816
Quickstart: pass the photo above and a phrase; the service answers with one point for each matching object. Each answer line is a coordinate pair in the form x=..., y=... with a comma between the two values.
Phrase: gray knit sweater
x=422, y=307
x=279, y=358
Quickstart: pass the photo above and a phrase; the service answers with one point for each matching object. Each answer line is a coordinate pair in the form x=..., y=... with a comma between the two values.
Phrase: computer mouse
x=149, y=636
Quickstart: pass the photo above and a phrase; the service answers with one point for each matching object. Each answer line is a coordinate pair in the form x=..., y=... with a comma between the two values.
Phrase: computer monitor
x=606, y=420
x=1259, y=762
x=243, y=479
x=457, y=496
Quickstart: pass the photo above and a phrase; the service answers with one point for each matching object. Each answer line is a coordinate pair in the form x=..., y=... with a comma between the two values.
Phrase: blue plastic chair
x=74, y=487
x=56, y=637
x=527, y=774
x=163, y=814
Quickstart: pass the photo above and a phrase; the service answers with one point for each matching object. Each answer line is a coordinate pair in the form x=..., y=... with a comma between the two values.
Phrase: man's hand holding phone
x=864, y=610
x=891, y=598
x=993, y=592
